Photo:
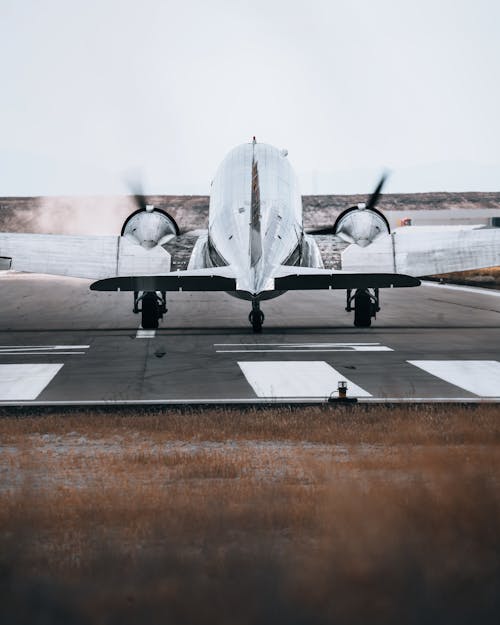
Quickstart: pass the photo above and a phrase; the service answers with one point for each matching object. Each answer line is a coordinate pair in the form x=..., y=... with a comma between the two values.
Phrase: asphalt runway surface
x=62, y=343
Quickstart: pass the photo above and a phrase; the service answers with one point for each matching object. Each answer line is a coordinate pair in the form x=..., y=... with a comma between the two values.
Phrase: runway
x=61, y=343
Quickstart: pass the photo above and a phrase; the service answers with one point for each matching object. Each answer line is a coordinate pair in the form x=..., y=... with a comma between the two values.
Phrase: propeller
x=134, y=183
x=374, y=197
x=370, y=205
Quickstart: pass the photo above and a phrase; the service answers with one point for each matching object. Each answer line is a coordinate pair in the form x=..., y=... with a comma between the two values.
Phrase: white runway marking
x=300, y=347
x=296, y=379
x=31, y=353
x=481, y=377
x=190, y=401
x=44, y=346
x=145, y=334
x=40, y=350
x=25, y=382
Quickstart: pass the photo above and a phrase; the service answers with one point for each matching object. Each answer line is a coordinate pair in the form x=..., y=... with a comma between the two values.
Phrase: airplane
x=256, y=247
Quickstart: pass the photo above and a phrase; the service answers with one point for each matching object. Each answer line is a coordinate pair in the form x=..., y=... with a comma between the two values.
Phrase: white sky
x=91, y=89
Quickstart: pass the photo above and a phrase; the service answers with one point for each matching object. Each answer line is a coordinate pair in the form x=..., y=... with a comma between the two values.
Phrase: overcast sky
x=92, y=89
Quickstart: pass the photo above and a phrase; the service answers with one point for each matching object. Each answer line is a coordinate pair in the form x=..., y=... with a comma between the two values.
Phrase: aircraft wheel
x=256, y=318
x=150, y=311
x=362, y=309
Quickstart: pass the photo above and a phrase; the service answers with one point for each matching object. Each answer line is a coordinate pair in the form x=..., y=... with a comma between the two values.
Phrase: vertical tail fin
x=255, y=234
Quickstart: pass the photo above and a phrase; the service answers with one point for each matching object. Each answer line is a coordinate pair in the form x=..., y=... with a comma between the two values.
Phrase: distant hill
x=105, y=214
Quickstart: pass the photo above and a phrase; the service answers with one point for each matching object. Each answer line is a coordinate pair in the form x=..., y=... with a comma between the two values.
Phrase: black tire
x=362, y=309
x=150, y=312
x=256, y=318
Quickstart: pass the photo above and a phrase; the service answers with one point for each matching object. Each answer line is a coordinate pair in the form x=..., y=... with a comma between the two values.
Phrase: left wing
x=91, y=257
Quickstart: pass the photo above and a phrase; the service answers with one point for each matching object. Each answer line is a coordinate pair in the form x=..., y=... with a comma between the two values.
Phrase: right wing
x=428, y=252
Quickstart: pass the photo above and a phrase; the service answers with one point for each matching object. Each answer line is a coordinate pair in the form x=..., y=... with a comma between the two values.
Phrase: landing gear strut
x=256, y=316
x=366, y=306
x=153, y=307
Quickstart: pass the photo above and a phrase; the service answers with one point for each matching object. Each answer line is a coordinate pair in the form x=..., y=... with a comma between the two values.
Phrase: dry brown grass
x=300, y=516
x=488, y=277
x=412, y=424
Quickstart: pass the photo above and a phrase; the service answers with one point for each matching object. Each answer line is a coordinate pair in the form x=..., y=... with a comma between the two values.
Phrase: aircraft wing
x=91, y=257
x=213, y=279
x=117, y=263
x=417, y=253
x=298, y=278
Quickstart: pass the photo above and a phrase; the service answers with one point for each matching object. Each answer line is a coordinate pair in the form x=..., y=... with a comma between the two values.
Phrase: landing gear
x=366, y=306
x=362, y=309
x=150, y=313
x=153, y=307
x=256, y=316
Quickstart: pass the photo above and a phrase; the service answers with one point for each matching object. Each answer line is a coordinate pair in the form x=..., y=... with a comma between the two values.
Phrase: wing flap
x=298, y=278
x=217, y=279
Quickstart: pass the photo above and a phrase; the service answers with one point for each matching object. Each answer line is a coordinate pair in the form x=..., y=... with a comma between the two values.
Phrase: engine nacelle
x=148, y=227
x=361, y=225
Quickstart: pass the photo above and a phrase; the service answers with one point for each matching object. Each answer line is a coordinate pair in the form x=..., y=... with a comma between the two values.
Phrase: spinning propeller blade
x=374, y=197
x=370, y=205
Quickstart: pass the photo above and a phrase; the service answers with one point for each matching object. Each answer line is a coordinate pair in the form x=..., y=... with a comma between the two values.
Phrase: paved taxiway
x=60, y=342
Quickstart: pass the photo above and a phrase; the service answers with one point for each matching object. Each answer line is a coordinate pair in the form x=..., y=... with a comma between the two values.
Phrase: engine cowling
x=148, y=227
x=361, y=225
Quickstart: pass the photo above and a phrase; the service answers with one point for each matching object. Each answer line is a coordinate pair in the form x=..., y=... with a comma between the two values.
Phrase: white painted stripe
x=437, y=400
x=254, y=400
x=292, y=344
x=481, y=377
x=37, y=353
x=296, y=379
x=46, y=347
x=301, y=347
x=145, y=334
x=372, y=348
x=468, y=289
x=382, y=348
x=24, y=382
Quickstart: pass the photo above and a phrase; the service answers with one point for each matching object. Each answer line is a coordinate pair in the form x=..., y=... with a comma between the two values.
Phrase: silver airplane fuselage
x=255, y=217
x=256, y=247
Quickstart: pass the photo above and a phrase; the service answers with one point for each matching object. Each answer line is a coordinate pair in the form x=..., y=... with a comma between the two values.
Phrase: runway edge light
x=340, y=395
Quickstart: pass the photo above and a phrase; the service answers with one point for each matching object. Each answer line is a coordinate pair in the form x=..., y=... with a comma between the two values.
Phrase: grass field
x=489, y=277
x=310, y=515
